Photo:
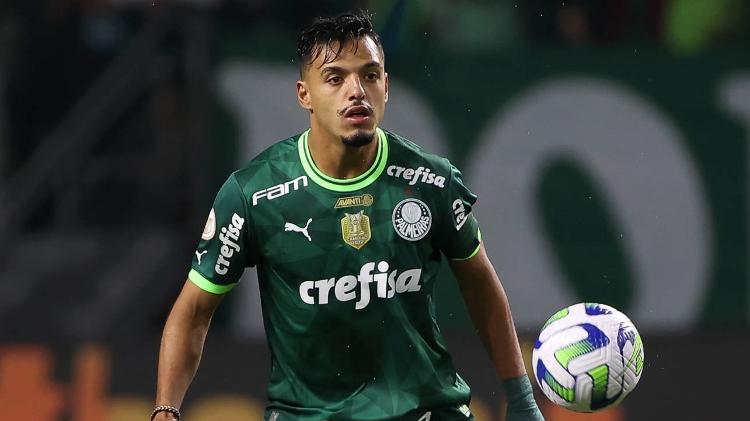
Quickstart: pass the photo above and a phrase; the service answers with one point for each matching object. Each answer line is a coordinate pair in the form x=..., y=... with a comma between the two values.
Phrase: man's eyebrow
x=373, y=64
x=338, y=69
x=332, y=69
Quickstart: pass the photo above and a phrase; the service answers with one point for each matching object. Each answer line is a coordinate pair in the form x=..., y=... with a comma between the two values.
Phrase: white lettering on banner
x=735, y=96
x=345, y=287
x=280, y=189
x=635, y=155
x=230, y=240
x=421, y=174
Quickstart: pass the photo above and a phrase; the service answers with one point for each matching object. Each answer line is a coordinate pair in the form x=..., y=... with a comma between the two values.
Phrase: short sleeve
x=460, y=229
x=223, y=252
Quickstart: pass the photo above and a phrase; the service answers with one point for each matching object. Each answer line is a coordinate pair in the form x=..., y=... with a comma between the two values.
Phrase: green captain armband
x=521, y=403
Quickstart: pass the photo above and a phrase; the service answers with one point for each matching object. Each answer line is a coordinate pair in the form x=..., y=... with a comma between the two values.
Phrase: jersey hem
x=203, y=283
x=476, y=250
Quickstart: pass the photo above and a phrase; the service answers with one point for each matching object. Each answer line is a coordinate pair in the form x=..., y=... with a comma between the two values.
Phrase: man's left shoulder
x=411, y=163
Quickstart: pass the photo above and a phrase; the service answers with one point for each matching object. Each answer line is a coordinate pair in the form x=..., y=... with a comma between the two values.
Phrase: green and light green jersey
x=347, y=272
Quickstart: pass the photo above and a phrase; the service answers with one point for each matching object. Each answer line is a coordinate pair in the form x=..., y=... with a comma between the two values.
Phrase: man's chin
x=359, y=138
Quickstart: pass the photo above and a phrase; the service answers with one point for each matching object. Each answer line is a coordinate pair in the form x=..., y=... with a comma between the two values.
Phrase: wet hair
x=329, y=35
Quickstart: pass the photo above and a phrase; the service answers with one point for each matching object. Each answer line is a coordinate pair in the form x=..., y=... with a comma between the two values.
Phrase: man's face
x=347, y=96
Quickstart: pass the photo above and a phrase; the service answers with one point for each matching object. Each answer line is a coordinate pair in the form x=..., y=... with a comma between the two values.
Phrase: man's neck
x=337, y=160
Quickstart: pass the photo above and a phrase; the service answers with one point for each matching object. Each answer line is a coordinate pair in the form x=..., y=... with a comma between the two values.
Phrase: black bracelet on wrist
x=166, y=408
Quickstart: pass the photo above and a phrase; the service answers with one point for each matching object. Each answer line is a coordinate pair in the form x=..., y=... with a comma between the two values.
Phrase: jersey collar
x=338, y=184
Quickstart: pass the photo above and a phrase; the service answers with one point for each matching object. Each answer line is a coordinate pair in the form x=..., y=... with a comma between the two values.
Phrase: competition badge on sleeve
x=210, y=229
x=208, y=233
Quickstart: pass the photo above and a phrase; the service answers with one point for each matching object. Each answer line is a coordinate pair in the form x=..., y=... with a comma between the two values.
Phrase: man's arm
x=182, y=345
x=490, y=312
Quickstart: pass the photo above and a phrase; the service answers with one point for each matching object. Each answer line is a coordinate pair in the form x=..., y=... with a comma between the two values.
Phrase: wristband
x=519, y=393
x=166, y=408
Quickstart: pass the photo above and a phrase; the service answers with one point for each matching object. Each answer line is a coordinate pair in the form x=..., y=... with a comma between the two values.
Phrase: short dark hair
x=331, y=34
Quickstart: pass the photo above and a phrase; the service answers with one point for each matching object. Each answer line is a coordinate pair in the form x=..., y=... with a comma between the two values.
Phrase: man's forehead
x=364, y=48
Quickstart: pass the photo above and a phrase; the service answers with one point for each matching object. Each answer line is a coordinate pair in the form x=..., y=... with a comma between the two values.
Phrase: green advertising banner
x=616, y=176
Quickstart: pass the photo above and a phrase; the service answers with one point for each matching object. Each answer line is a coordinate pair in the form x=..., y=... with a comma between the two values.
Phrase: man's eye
x=334, y=79
x=373, y=76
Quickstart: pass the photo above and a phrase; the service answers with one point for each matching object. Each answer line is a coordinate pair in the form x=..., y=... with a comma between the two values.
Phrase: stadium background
x=607, y=142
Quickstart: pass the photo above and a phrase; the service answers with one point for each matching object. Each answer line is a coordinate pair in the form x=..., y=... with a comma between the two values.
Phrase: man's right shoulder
x=282, y=156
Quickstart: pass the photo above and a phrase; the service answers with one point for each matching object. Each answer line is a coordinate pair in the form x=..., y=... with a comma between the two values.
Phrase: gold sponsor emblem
x=355, y=229
x=361, y=200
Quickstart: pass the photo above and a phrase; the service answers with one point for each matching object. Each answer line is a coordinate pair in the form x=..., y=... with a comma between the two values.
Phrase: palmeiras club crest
x=355, y=229
x=412, y=219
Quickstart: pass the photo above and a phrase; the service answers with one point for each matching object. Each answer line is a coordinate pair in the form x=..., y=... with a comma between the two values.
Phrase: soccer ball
x=588, y=357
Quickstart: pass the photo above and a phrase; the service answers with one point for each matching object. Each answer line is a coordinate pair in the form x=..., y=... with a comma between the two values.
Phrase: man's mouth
x=357, y=112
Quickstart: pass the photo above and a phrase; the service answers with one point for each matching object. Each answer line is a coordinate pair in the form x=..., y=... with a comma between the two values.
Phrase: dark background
x=120, y=119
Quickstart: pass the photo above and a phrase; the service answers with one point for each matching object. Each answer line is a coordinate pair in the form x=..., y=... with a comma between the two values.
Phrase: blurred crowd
x=135, y=81
x=51, y=50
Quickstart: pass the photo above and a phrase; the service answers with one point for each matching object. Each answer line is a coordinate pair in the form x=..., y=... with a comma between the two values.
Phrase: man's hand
x=521, y=403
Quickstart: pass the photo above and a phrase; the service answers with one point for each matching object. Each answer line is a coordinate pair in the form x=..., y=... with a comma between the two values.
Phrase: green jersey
x=347, y=271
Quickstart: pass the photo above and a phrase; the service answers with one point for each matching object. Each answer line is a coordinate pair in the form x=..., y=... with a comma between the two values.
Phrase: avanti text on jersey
x=344, y=288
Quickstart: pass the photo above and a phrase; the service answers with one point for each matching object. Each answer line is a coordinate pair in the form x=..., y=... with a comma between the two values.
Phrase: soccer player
x=346, y=224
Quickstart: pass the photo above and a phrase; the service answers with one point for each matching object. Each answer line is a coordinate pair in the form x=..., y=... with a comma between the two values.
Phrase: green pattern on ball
x=568, y=394
x=572, y=351
x=636, y=358
x=555, y=317
x=600, y=379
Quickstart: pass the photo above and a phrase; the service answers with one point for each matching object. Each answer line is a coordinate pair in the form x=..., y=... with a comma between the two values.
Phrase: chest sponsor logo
x=459, y=213
x=230, y=244
x=421, y=175
x=355, y=229
x=351, y=201
x=412, y=219
x=358, y=287
x=279, y=190
x=210, y=229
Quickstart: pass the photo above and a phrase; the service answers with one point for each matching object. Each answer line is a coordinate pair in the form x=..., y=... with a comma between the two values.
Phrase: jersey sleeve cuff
x=476, y=250
x=201, y=282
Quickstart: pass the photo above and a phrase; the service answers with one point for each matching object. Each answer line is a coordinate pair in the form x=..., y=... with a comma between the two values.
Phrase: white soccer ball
x=588, y=357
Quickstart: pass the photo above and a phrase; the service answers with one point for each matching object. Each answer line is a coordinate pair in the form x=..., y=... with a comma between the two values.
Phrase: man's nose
x=356, y=90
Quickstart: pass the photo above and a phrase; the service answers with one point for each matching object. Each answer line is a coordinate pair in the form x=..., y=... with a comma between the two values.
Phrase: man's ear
x=387, y=86
x=303, y=95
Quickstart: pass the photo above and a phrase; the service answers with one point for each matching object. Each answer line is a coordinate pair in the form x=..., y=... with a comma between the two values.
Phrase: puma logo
x=291, y=227
x=426, y=417
x=199, y=255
